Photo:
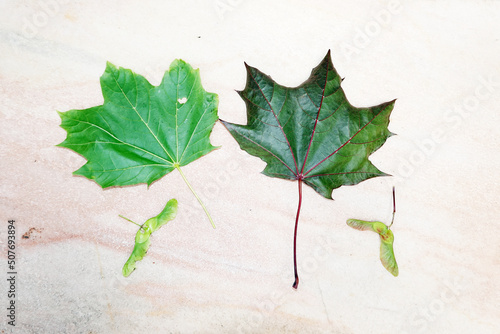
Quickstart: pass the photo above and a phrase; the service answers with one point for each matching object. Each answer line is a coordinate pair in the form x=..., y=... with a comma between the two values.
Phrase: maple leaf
x=310, y=133
x=143, y=132
x=142, y=237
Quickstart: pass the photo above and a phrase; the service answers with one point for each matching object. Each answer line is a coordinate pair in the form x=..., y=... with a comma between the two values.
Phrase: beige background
x=438, y=58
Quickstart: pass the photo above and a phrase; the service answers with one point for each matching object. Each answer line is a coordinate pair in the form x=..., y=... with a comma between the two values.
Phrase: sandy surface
x=438, y=58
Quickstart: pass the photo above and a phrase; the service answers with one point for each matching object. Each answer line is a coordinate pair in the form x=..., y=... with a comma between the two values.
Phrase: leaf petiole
x=296, y=282
x=195, y=195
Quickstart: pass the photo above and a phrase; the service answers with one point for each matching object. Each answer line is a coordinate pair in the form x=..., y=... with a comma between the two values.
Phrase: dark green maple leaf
x=311, y=133
x=143, y=132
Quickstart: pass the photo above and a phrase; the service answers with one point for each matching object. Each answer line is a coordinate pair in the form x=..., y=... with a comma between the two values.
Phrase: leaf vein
x=138, y=114
x=121, y=141
x=277, y=120
x=361, y=129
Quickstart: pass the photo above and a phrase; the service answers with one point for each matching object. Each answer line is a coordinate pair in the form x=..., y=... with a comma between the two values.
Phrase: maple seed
x=142, y=237
x=386, y=237
x=310, y=133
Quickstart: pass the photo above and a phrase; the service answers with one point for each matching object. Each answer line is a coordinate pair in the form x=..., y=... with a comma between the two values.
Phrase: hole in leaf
x=183, y=100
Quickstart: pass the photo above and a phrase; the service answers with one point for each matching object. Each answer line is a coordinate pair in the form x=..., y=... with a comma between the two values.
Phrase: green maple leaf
x=142, y=238
x=311, y=133
x=143, y=132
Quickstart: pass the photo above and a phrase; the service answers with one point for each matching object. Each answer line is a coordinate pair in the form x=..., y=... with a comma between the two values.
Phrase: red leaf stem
x=296, y=283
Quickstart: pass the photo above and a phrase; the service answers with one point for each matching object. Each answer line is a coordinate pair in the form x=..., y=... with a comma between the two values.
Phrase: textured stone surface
x=439, y=59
